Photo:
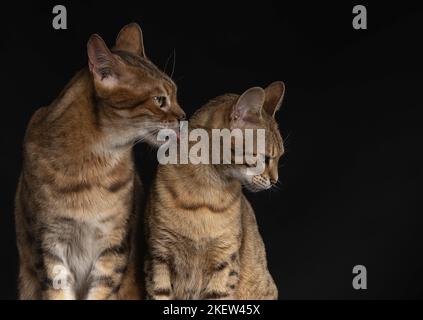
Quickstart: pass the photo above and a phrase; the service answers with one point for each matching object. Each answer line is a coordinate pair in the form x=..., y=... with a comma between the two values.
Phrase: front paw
x=161, y=294
x=217, y=295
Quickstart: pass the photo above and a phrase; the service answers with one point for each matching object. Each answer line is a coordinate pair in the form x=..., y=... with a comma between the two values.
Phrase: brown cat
x=78, y=193
x=202, y=233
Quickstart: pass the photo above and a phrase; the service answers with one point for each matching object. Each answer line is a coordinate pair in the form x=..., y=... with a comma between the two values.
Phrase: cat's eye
x=160, y=101
x=267, y=159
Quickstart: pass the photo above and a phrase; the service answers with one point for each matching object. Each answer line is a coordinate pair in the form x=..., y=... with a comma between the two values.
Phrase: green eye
x=160, y=101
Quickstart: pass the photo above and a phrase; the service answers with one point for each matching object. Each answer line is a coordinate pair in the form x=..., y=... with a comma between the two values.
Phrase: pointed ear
x=101, y=61
x=130, y=39
x=247, y=110
x=274, y=96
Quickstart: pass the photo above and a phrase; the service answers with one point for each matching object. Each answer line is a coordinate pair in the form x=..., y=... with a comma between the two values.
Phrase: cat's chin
x=151, y=136
x=151, y=139
x=255, y=188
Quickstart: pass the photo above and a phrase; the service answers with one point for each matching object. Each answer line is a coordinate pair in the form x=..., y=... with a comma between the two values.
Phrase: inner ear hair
x=100, y=59
x=274, y=97
x=249, y=105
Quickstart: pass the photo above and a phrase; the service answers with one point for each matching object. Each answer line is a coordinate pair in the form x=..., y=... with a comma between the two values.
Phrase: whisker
x=286, y=140
x=178, y=79
x=174, y=63
x=275, y=187
x=167, y=61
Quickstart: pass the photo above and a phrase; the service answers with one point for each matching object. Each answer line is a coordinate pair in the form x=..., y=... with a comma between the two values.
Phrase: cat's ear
x=102, y=64
x=247, y=110
x=130, y=39
x=274, y=96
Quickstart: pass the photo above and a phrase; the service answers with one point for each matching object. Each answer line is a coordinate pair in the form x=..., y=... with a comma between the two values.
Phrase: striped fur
x=78, y=195
x=202, y=233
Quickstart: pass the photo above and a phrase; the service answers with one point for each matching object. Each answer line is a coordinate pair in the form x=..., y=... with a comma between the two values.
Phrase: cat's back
x=35, y=123
x=62, y=113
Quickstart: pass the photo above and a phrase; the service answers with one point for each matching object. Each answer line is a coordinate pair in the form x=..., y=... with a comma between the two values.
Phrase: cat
x=78, y=194
x=203, y=238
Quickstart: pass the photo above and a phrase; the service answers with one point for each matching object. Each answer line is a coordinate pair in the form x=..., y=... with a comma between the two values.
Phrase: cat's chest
x=93, y=206
x=193, y=265
x=87, y=242
x=202, y=226
x=88, y=239
x=190, y=276
x=202, y=254
x=86, y=197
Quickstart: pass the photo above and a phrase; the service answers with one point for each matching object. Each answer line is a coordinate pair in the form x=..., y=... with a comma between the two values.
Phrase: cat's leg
x=56, y=279
x=158, y=282
x=224, y=279
x=28, y=283
x=107, y=273
x=130, y=288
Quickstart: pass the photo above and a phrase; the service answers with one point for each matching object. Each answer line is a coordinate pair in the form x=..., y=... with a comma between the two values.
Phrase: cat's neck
x=201, y=181
x=73, y=125
x=78, y=95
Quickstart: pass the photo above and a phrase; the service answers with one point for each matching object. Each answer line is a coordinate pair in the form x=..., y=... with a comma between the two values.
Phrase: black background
x=351, y=177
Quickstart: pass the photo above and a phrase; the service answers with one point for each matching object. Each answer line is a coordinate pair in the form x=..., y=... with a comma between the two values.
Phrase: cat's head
x=135, y=99
x=256, y=109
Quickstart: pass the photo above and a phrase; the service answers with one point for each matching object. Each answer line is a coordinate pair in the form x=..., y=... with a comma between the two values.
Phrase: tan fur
x=202, y=233
x=79, y=195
